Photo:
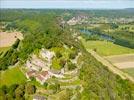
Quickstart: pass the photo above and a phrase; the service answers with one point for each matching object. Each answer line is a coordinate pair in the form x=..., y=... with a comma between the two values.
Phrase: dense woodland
x=40, y=28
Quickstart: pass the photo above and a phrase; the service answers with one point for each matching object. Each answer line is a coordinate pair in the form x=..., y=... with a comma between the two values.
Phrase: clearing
x=8, y=38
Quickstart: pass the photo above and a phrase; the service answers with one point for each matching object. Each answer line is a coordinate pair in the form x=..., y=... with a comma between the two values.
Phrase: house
x=56, y=73
x=37, y=64
x=45, y=74
x=39, y=97
x=36, y=61
x=40, y=79
x=41, y=64
x=47, y=54
x=32, y=66
x=72, y=21
x=30, y=73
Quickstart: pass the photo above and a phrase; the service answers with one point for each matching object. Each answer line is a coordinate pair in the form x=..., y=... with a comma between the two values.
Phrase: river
x=101, y=35
x=118, y=41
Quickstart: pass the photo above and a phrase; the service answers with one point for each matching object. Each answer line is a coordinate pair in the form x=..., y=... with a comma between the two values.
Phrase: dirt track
x=111, y=67
x=8, y=38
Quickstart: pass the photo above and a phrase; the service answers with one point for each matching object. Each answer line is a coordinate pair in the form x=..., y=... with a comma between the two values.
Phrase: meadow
x=105, y=48
x=12, y=76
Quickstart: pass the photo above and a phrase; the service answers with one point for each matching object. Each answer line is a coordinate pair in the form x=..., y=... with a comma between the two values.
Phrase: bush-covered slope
x=99, y=83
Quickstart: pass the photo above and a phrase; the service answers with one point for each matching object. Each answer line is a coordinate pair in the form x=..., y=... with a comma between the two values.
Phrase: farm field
x=8, y=38
x=123, y=62
x=105, y=48
x=12, y=76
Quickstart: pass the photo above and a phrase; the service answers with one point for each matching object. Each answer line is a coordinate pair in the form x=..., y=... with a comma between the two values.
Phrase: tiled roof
x=31, y=72
x=39, y=77
x=44, y=73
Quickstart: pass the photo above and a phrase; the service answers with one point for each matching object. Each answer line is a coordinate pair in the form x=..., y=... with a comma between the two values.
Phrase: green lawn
x=12, y=76
x=130, y=71
x=106, y=48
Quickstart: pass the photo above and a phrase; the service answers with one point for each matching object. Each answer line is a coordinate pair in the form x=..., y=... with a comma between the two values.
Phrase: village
x=90, y=20
x=40, y=69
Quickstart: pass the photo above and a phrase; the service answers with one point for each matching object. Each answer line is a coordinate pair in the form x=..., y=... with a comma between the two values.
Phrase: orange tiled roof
x=40, y=77
x=44, y=73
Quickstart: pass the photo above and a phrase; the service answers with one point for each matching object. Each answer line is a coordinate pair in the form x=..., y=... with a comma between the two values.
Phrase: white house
x=30, y=65
x=47, y=54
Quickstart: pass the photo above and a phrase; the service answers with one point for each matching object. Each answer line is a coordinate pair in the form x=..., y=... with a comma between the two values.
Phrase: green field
x=12, y=76
x=130, y=71
x=106, y=48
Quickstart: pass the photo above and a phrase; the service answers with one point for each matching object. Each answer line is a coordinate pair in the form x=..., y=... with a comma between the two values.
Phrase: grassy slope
x=12, y=76
x=105, y=48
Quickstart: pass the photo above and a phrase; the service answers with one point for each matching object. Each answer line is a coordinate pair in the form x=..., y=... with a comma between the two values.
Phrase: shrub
x=71, y=66
x=58, y=54
x=30, y=89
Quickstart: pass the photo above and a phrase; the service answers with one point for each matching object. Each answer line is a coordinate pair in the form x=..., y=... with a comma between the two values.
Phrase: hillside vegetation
x=41, y=29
